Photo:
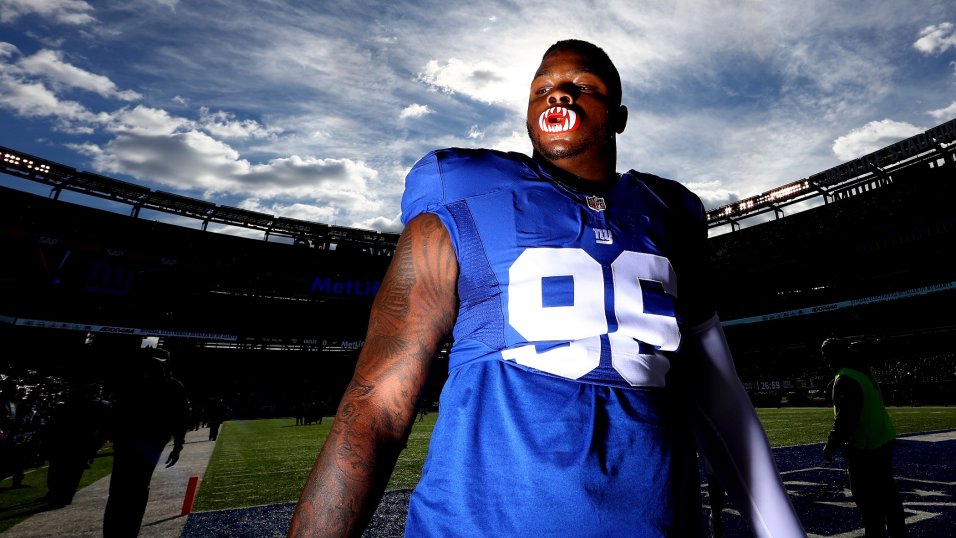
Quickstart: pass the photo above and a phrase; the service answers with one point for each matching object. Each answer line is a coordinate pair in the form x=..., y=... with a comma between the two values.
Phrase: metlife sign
x=345, y=288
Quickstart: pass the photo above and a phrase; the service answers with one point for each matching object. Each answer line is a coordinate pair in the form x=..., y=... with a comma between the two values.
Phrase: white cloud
x=144, y=120
x=7, y=50
x=414, y=110
x=936, y=38
x=481, y=80
x=63, y=11
x=383, y=224
x=188, y=161
x=34, y=100
x=945, y=113
x=712, y=193
x=475, y=133
x=225, y=125
x=871, y=137
x=49, y=64
x=517, y=141
x=299, y=211
x=194, y=161
x=734, y=99
x=25, y=95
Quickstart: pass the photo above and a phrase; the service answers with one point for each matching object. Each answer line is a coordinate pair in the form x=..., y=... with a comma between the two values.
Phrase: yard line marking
x=932, y=437
x=924, y=481
x=858, y=533
x=805, y=469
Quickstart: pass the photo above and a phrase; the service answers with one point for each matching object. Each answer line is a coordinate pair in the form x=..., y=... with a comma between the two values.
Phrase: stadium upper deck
x=871, y=256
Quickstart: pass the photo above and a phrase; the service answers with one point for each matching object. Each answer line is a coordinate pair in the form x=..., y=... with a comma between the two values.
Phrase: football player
x=587, y=356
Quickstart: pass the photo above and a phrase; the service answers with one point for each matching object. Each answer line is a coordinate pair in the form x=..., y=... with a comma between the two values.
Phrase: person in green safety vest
x=864, y=431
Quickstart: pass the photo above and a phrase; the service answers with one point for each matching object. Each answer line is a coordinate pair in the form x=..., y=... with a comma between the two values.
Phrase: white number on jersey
x=582, y=323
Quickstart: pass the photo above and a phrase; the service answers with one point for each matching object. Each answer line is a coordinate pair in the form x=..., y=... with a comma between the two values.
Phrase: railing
x=870, y=171
x=61, y=177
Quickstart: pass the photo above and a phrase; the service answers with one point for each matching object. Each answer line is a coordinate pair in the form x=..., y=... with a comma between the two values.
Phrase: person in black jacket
x=75, y=433
x=149, y=409
x=215, y=415
x=12, y=457
x=864, y=431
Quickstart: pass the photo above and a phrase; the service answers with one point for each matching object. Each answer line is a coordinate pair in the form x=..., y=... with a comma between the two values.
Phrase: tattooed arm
x=413, y=311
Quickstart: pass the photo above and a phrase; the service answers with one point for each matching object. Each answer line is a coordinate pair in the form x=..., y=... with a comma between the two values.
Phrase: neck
x=585, y=171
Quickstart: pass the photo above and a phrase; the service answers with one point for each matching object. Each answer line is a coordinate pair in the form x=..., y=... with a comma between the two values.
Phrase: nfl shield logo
x=596, y=203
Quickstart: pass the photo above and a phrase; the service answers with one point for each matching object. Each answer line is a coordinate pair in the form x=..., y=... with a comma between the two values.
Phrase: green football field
x=17, y=504
x=260, y=462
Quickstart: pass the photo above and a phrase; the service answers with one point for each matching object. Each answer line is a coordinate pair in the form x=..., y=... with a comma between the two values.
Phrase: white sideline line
x=933, y=437
x=858, y=533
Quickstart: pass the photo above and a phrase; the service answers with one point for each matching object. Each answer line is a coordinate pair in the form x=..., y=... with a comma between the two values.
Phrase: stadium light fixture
x=25, y=164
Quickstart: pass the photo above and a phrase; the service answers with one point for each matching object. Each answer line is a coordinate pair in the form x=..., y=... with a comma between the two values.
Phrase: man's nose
x=561, y=95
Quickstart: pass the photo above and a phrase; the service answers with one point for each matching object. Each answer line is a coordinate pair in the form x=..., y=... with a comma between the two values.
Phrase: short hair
x=851, y=347
x=157, y=353
x=836, y=348
x=603, y=62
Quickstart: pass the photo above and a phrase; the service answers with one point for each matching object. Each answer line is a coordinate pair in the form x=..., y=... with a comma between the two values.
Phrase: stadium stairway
x=84, y=517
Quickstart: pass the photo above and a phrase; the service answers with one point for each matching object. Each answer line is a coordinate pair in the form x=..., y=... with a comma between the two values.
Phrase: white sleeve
x=731, y=438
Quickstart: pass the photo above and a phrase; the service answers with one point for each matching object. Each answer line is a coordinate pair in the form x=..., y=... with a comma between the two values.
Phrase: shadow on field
x=925, y=472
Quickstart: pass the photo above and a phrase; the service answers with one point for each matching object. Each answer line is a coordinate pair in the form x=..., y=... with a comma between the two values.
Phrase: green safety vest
x=875, y=427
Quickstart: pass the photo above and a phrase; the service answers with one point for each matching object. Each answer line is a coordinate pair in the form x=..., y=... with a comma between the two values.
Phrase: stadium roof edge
x=926, y=146
x=938, y=141
x=62, y=177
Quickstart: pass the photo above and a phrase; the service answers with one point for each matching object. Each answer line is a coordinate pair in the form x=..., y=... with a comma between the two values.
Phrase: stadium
x=858, y=249
x=275, y=311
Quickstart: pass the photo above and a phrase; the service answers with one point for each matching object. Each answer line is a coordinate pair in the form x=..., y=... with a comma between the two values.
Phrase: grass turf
x=267, y=461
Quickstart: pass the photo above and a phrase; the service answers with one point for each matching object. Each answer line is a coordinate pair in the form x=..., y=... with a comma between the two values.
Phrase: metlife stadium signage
x=345, y=287
x=829, y=307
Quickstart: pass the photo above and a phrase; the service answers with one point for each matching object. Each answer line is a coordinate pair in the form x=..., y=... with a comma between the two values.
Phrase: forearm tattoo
x=413, y=312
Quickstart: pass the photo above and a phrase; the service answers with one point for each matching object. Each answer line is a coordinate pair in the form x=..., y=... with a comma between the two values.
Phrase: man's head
x=835, y=349
x=574, y=106
x=850, y=351
x=153, y=362
x=8, y=387
x=600, y=63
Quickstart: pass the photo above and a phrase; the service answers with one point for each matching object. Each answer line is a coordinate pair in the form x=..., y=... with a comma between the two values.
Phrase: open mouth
x=558, y=119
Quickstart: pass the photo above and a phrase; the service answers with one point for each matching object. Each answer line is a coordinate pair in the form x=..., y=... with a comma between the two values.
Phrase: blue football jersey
x=552, y=419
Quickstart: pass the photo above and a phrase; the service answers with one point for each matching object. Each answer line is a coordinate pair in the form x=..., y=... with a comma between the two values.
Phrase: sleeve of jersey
x=424, y=188
x=731, y=438
x=695, y=282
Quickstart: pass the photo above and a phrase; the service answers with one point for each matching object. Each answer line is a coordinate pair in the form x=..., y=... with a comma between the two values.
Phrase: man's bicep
x=413, y=312
x=417, y=302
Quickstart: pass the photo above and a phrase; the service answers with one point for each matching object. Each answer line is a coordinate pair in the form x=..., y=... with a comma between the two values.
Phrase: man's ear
x=620, y=120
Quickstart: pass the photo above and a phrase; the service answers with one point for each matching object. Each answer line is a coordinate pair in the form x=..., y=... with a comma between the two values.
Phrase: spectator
x=76, y=431
x=149, y=409
x=13, y=436
x=864, y=431
x=215, y=415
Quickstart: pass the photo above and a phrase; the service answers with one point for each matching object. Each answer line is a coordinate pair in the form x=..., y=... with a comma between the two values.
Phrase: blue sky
x=316, y=109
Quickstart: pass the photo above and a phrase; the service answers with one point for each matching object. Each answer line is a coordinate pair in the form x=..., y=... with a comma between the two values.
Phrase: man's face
x=568, y=107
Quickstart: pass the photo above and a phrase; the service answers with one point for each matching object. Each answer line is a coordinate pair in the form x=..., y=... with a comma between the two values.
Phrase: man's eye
x=584, y=88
